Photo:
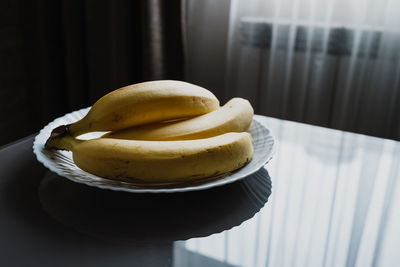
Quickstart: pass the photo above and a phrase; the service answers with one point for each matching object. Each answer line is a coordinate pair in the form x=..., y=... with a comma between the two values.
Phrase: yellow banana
x=159, y=161
x=235, y=116
x=143, y=103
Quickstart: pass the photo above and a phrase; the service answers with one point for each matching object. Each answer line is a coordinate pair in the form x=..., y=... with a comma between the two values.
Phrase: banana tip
x=57, y=133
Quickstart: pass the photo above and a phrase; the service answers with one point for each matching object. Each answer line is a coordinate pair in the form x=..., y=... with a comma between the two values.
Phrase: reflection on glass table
x=128, y=217
x=335, y=202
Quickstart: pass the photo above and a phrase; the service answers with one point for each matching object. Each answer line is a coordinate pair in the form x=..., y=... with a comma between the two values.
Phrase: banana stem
x=79, y=127
x=62, y=142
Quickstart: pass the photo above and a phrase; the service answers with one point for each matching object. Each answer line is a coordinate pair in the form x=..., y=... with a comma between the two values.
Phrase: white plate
x=61, y=162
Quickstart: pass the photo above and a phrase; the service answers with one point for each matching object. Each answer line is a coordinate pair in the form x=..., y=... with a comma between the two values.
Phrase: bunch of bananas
x=160, y=131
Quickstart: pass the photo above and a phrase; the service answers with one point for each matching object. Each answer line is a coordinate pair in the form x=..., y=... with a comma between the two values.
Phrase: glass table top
x=327, y=198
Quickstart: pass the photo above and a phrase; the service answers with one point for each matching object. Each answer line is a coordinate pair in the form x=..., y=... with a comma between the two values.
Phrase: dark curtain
x=59, y=56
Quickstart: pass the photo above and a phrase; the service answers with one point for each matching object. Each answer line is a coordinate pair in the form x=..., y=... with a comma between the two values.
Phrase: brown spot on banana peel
x=116, y=117
x=120, y=175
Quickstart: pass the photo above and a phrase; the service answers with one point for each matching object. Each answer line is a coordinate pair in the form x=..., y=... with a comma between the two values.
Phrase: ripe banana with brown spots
x=235, y=116
x=158, y=161
x=143, y=103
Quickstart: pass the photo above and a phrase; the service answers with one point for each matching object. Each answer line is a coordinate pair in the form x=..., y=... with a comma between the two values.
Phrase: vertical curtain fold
x=329, y=63
x=64, y=55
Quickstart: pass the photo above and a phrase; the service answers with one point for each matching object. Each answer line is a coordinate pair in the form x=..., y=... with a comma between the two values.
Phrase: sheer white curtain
x=334, y=63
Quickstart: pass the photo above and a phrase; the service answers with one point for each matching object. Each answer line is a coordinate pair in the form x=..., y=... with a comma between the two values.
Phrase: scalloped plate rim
x=38, y=146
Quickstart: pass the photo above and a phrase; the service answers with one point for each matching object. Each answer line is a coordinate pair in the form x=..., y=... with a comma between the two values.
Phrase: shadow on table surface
x=128, y=217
